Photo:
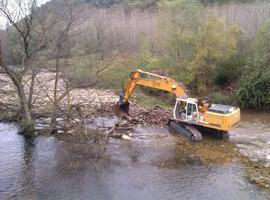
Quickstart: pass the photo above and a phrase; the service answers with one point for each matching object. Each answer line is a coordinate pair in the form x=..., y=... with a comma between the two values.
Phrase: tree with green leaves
x=193, y=42
x=178, y=23
x=214, y=41
x=254, y=90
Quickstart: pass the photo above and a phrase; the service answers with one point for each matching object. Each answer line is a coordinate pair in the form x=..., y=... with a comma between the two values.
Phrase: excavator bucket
x=124, y=107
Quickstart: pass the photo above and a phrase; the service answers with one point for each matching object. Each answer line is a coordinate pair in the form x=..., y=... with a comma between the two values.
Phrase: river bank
x=88, y=99
x=91, y=101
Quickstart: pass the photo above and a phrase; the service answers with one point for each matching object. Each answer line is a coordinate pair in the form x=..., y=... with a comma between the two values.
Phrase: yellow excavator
x=191, y=116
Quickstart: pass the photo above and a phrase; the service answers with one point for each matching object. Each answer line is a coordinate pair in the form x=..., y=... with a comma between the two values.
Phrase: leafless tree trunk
x=37, y=31
x=26, y=117
x=23, y=24
x=61, y=39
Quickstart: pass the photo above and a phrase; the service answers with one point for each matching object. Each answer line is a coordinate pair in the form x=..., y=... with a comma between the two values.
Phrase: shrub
x=255, y=84
x=229, y=70
x=254, y=91
x=220, y=98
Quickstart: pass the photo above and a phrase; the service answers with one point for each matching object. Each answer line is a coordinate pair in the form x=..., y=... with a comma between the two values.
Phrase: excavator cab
x=186, y=110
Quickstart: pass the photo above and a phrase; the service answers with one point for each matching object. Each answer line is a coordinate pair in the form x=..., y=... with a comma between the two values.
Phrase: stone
x=125, y=137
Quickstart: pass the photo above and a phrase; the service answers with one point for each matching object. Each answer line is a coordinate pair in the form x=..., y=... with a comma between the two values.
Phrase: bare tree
x=37, y=29
x=62, y=38
x=21, y=19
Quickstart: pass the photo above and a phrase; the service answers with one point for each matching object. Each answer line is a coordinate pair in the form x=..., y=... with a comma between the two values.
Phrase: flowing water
x=155, y=164
x=253, y=136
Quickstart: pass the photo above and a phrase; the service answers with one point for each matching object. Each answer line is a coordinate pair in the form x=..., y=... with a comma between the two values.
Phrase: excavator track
x=186, y=130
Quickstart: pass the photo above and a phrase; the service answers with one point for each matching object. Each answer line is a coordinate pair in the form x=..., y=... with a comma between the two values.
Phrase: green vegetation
x=254, y=90
x=229, y=70
x=211, y=57
x=152, y=99
x=193, y=43
x=218, y=97
x=193, y=47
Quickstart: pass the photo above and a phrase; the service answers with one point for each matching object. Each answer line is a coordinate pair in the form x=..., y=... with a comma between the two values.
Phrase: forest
x=179, y=43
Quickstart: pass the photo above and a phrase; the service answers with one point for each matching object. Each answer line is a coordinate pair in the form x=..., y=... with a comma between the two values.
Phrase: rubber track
x=188, y=131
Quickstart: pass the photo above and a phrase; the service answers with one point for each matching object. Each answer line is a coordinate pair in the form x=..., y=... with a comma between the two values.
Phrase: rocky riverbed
x=88, y=99
x=92, y=101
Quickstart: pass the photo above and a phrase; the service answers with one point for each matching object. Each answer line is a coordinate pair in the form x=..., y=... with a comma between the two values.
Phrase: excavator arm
x=151, y=80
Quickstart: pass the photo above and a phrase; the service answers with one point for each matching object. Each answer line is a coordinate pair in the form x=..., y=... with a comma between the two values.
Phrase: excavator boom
x=151, y=80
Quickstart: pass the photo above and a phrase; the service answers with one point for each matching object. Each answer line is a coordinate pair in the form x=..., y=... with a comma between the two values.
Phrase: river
x=155, y=164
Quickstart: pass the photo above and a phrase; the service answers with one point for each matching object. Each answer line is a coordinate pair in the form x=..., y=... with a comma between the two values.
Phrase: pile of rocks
x=151, y=116
x=88, y=99
x=138, y=114
x=91, y=101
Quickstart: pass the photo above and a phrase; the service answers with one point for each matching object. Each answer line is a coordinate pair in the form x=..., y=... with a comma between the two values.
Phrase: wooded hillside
x=149, y=3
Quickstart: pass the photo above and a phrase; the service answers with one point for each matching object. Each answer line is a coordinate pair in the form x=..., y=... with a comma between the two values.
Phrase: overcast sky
x=3, y=20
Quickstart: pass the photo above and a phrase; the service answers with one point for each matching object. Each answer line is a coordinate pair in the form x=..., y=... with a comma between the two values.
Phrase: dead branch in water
x=109, y=132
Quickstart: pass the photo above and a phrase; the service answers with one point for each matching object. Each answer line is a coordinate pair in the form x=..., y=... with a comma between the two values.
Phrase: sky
x=3, y=20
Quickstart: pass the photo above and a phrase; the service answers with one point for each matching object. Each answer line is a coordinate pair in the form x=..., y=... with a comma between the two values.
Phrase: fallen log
x=110, y=132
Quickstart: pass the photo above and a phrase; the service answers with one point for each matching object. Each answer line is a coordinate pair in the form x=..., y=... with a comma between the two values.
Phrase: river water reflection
x=155, y=164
